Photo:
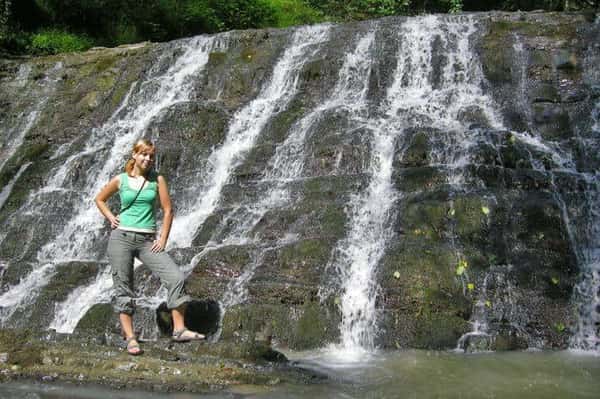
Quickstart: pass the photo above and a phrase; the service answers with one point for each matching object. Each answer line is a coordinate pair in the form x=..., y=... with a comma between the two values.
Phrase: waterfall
x=587, y=292
x=287, y=163
x=283, y=87
x=414, y=99
x=14, y=137
x=348, y=126
x=118, y=134
x=68, y=313
x=496, y=300
x=6, y=190
x=244, y=129
x=110, y=143
x=22, y=294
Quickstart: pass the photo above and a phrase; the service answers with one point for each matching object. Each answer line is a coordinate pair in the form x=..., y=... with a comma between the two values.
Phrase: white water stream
x=244, y=129
x=419, y=96
x=6, y=190
x=287, y=163
x=158, y=93
x=13, y=139
x=413, y=99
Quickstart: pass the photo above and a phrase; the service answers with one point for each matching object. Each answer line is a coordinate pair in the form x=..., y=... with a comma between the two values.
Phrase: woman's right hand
x=114, y=221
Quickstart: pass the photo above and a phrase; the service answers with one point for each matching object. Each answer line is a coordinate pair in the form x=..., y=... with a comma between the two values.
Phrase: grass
x=294, y=12
x=54, y=41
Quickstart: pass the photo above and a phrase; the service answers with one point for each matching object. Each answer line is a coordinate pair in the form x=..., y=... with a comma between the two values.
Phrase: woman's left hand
x=158, y=246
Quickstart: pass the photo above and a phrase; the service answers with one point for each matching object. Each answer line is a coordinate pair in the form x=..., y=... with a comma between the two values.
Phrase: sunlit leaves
x=461, y=267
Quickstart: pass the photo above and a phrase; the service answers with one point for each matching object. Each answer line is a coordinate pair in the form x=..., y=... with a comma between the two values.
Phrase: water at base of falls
x=405, y=374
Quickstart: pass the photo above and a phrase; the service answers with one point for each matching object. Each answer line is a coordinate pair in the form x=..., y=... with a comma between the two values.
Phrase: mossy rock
x=425, y=216
x=544, y=93
x=417, y=152
x=99, y=318
x=439, y=331
x=214, y=271
x=302, y=261
x=552, y=120
x=216, y=57
x=471, y=215
x=419, y=178
x=255, y=351
x=198, y=129
x=282, y=123
x=306, y=326
x=254, y=163
x=22, y=347
x=69, y=276
x=496, y=60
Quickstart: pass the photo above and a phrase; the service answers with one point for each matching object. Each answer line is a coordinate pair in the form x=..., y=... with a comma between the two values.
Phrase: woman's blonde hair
x=140, y=146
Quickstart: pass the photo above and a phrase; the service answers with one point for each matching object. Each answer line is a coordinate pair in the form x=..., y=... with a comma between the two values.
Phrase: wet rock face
x=490, y=221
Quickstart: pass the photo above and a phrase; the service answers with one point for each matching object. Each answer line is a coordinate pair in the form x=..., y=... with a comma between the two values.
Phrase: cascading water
x=244, y=129
x=413, y=99
x=14, y=137
x=287, y=163
x=422, y=118
x=6, y=190
x=496, y=301
x=153, y=96
x=587, y=291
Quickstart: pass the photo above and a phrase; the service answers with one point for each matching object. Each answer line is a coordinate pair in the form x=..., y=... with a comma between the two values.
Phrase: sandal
x=133, y=347
x=185, y=335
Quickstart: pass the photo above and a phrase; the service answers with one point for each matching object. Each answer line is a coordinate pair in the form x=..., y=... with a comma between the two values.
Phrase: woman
x=134, y=235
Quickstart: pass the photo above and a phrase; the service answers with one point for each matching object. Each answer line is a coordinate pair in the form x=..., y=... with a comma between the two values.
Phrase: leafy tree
x=5, y=8
x=60, y=24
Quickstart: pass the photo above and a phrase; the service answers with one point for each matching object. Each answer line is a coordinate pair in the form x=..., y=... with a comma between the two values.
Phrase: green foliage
x=455, y=6
x=15, y=42
x=114, y=22
x=294, y=12
x=5, y=10
x=243, y=14
x=53, y=41
x=361, y=9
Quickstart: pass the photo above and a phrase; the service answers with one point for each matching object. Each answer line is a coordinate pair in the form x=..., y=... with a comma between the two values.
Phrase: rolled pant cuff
x=180, y=301
x=126, y=311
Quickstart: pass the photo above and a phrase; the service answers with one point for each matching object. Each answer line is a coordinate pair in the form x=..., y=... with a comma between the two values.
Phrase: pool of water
x=401, y=374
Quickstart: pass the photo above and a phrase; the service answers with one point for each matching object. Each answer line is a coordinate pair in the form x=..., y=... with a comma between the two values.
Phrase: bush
x=242, y=14
x=54, y=41
x=294, y=12
x=14, y=42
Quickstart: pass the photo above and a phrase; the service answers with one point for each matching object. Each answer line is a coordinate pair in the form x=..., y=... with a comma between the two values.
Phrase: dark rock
x=565, y=59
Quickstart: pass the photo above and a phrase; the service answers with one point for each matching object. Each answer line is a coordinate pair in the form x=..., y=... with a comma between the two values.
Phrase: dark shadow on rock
x=200, y=316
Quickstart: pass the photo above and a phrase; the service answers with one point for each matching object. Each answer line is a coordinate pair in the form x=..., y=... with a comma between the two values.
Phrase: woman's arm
x=103, y=196
x=165, y=204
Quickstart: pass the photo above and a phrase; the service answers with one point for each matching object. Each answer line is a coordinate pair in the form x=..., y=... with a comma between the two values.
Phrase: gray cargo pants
x=123, y=246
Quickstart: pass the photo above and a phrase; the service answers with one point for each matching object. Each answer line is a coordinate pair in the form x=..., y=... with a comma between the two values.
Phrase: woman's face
x=144, y=159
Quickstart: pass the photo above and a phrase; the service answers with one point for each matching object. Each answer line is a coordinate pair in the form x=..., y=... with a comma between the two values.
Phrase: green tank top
x=140, y=215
